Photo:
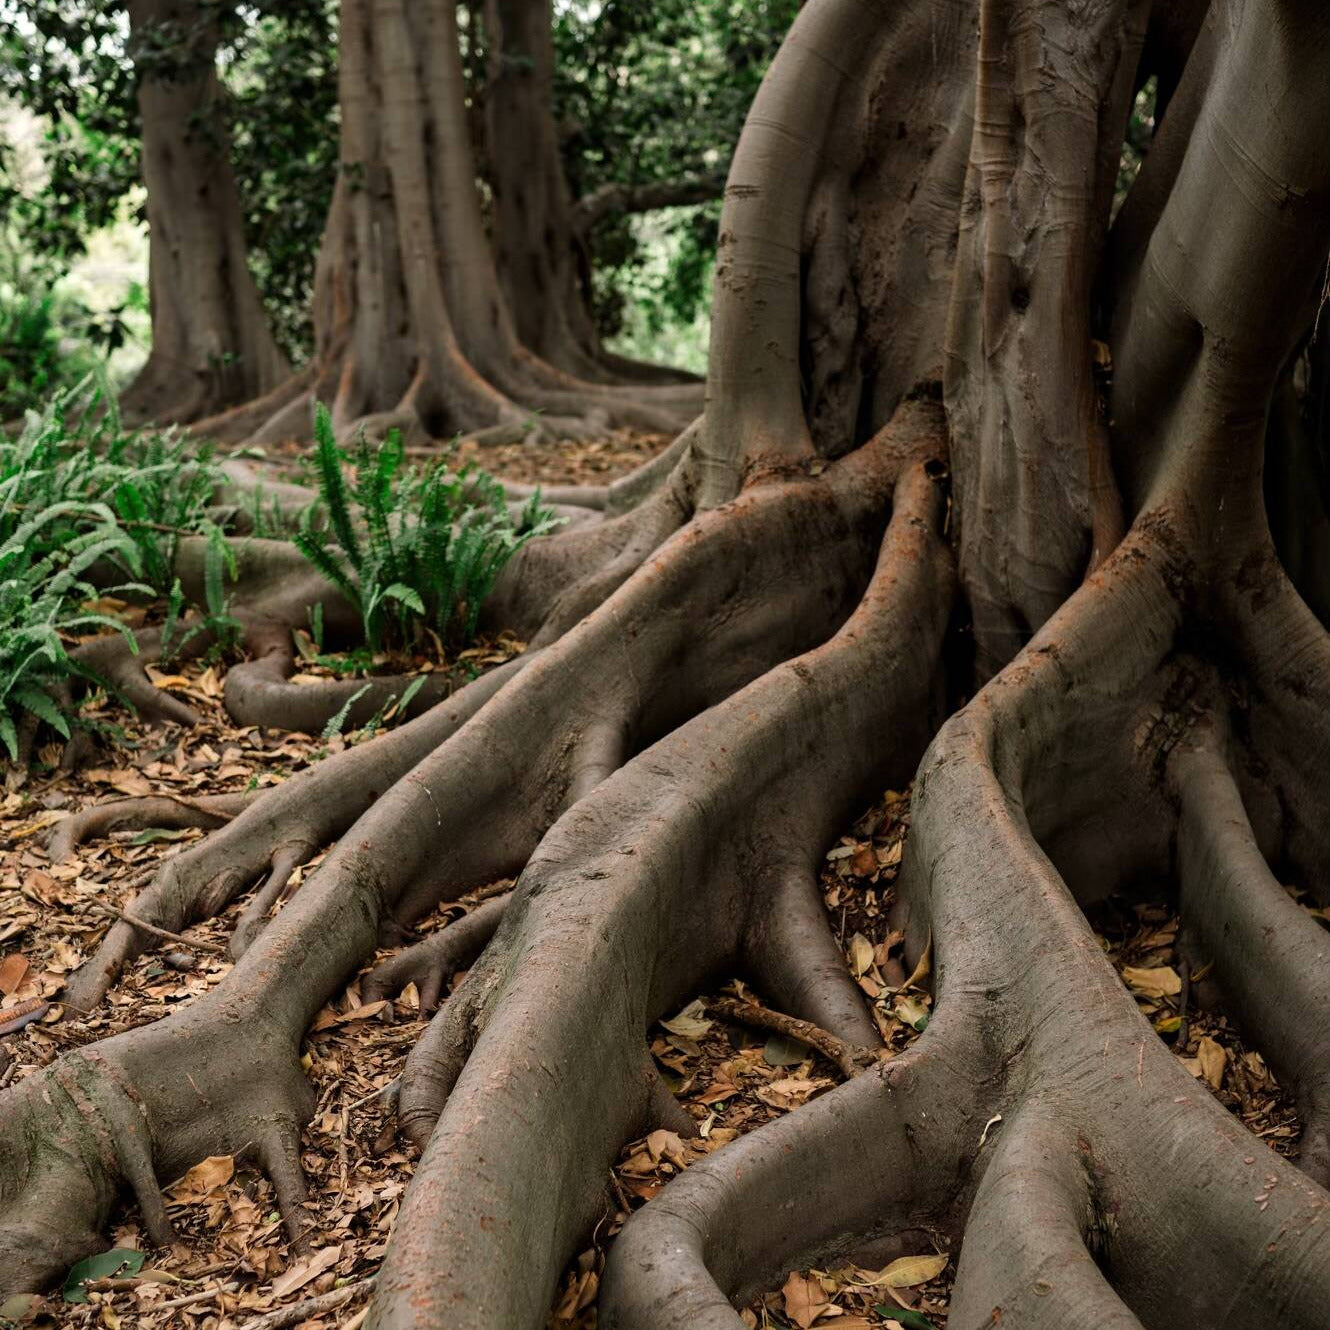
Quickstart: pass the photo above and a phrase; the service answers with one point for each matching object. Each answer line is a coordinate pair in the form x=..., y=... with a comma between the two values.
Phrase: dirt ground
x=231, y=1266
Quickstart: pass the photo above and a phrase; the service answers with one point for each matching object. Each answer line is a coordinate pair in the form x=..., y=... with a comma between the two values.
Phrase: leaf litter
x=231, y=1262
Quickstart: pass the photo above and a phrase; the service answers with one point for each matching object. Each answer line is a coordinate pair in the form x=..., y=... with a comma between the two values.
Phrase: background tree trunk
x=412, y=326
x=211, y=345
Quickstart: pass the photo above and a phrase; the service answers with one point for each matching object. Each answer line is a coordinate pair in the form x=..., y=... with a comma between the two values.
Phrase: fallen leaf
x=782, y=1051
x=861, y=955
x=689, y=1023
x=790, y=1092
x=908, y=1271
x=13, y=973
x=912, y=1012
x=804, y=1299
x=1161, y=981
x=305, y=1271
x=202, y=1180
x=1212, y=1060
x=105, y=1265
x=329, y=1018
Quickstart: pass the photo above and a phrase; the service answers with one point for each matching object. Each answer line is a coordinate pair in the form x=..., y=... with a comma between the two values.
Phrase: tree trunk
x=539, y=232
x=907, y=463
x=211, y=345
x=412, y=328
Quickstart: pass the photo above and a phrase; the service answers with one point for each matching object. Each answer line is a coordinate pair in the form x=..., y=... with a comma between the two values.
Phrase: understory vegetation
x=1004, y=494
x=92, y=516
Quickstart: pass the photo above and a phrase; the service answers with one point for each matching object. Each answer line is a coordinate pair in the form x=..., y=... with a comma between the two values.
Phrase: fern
x=412, y=550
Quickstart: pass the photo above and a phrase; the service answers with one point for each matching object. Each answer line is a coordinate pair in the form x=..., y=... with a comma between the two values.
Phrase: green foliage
x=648, y=93
x=76, y=451
x=87, y=509
x=1136, y=143
x=412, y=549
x=73, y=63
x=44, y=566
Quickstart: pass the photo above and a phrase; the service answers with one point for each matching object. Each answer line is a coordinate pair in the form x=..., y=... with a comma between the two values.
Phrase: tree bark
x=412, y=326
x=805, y=605
x=211, y=345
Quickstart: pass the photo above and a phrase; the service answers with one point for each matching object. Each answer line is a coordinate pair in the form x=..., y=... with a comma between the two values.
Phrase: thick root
x=554, y=1026
x=175, y=811
x=1092, y=1127
x=483, y=775
x=431, y=964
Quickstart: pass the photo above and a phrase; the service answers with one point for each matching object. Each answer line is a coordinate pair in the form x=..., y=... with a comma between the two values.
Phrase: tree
x=722, y=674
x=411, y=325
x=211, y=344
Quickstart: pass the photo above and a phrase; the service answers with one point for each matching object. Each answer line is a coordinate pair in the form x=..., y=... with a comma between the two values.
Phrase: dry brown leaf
x=1210, y=1056
x=305, y=1271
x=790, y=1092
x=804, y=1299
x=13, y=974
x=202, y=1180
x=1160, y=981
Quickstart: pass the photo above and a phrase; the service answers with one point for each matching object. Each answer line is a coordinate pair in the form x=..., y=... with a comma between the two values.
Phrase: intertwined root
x=461, y=796
x=664, y=875
x=1073, y=1141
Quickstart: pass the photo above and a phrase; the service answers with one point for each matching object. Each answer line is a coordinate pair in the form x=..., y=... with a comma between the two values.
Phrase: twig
x=300, y=1311
x=123, y=916
x=191, y=1298
x=850, y=1058
x=373, y=1094
x=489, y=892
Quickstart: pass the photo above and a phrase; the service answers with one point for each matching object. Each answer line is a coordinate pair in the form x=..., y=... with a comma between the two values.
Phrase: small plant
x=43, y=588
x=414, y=550
x=88, y=510
x=76, y=452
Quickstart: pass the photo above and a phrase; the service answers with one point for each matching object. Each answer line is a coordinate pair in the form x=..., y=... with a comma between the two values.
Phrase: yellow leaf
x=861, y=955
x=911, y=1270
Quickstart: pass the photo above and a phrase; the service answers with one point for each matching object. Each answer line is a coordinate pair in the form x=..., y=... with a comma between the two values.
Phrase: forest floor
x=231, y=1266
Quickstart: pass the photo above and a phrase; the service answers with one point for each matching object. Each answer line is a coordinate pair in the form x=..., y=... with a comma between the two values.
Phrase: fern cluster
x=412, y=548
x=83, y=504
x=88, y=509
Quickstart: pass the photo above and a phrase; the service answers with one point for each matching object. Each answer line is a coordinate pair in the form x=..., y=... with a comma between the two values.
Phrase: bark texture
x=413, y=328
x=211, y=345
x=915, y=532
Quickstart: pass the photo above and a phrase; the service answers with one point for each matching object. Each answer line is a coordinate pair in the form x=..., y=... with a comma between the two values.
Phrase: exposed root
x=484, y=775
x=173, y=811
x=1271, y=958
x=258, y=691
x=431, y=964
x=123, y=668
x=1085, y=1135
x=284, y=825
x=606, y=931
x=737, y=1220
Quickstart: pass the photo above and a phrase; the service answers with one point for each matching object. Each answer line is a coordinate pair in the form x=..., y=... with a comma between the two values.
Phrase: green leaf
x=407, y=595
x=105, y=1265
x=911, y=1320
x=43, y=706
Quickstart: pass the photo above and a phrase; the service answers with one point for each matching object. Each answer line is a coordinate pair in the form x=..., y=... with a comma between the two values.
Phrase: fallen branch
x=851, y=1059
x=123, y=916
x=300, y=1311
